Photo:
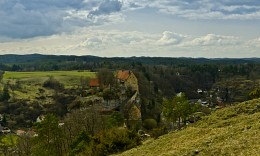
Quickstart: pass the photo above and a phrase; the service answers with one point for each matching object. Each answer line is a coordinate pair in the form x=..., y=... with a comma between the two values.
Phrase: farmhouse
x=127, y=78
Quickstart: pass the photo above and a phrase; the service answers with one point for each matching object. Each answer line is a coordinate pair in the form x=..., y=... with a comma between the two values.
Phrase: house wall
x=132, y=81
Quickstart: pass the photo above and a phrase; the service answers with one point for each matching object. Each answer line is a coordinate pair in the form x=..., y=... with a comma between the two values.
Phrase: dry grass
x=230, y=131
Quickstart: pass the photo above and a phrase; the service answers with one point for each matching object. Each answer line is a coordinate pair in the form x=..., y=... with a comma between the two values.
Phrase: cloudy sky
x=174, y=28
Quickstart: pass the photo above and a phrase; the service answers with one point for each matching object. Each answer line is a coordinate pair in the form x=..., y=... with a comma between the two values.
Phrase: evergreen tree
x=5, y=96
x=4, y=121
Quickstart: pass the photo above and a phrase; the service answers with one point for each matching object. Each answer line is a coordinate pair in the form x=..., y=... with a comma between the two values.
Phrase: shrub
x=53, y=84
x=116, y=119
x=114, y=141
x=156, y=132
x=81, y=144
x=149, y=124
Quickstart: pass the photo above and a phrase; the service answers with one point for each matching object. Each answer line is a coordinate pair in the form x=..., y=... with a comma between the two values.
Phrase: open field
x=230, y=131
x=29, y=84
x=66, y=77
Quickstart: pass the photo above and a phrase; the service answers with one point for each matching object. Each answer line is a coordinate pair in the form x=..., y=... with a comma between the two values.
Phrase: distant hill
x=230, y=131
x=31, y=58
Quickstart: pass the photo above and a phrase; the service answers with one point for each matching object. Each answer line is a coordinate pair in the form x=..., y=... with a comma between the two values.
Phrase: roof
x=94, y=83
x=123, y=74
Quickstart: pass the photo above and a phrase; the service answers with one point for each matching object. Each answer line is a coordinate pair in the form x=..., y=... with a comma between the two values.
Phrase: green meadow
x=29, y=84
x=66, y=77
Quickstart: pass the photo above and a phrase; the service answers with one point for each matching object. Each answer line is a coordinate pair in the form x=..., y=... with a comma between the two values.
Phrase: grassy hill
x=230, y=131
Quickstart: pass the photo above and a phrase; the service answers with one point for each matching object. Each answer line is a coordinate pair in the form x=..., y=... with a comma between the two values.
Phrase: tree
x=110, y=94
x=106, y=77
x=49, y=139
x=1, y=75
x=80, y=144
x=5, y=96
x=176, y=109
x=4, y=121
x=116, y=119
x=255, y=93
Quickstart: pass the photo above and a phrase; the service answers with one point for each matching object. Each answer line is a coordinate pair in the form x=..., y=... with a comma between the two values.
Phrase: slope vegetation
x=230, y=131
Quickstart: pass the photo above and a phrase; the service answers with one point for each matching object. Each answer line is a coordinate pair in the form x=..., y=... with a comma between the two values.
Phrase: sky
x=125, y=28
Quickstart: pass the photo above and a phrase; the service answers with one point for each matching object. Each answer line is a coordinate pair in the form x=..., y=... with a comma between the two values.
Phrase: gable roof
x=94, y=83
x=123, y=74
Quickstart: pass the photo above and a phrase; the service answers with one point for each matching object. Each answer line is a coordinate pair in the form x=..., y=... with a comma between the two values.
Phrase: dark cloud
x=107, y=7
x=31, y=18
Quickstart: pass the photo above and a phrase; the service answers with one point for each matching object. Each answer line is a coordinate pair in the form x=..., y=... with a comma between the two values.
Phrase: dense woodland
x=159, y=80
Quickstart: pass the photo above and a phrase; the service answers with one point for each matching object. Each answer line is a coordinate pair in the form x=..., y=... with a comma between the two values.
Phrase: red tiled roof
x=94, y=83
x=123, y=74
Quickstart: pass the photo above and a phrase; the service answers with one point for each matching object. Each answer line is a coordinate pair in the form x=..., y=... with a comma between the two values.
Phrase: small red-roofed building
x=94, y=83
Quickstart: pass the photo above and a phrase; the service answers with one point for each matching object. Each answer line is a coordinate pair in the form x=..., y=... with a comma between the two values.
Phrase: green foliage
x=176, y=109
x=81, y=144
x=149, y=124
x=4, y=121
x=255, y=93
x=116, y=119
x=49, y=139
x=5, y=96
x=1, y=75
x=53, y=84
x=7, y=144
x=114, y=141
x=108, y=94
x=156, y=132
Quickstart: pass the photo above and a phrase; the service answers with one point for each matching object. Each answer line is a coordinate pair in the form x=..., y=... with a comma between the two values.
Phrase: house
x=94, y=83
x=127, y=78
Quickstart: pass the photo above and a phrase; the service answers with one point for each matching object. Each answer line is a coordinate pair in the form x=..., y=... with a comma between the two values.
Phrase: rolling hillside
x=230, y=131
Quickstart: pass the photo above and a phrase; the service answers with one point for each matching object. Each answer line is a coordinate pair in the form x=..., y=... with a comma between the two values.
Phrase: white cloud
x=93, y=41
x=170, y=38
x=214, y=40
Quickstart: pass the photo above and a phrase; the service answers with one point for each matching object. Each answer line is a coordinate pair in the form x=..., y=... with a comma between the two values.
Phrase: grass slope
x=230, y=131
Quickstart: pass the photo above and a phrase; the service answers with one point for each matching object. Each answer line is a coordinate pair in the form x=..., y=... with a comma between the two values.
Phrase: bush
x=156, y=132
x=53, y=84
x=114, y=141
x=116, y=119
x=149, y=124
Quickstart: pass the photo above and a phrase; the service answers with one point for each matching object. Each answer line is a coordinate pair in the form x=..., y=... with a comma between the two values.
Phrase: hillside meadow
x=233, y=130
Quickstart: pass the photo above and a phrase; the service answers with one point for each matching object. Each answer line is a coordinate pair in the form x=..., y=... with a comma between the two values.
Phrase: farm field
x=29, y=85
x=66, y=77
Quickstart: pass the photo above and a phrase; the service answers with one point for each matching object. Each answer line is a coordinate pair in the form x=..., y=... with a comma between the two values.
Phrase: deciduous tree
x=176, y=109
